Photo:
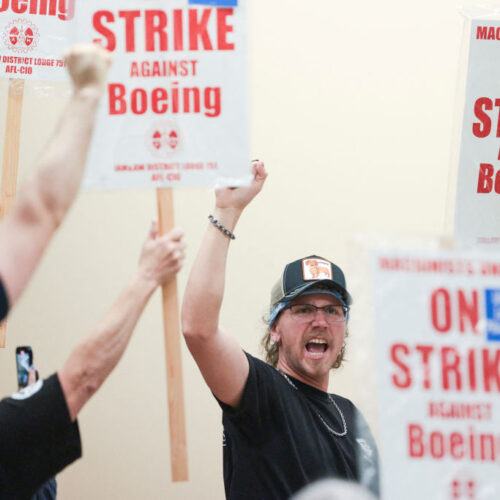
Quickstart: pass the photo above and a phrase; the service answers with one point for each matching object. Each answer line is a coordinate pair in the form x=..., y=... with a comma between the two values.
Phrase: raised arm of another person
x=95, y=357
x=44, y=199
x=39, y=434
x=221, y=360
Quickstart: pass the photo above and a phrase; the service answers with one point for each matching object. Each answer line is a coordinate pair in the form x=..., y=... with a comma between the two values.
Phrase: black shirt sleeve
x=37, y=438
x=258, y=399
x=4, y=302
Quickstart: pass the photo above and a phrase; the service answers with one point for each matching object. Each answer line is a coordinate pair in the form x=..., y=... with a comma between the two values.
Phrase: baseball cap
x=309, y=272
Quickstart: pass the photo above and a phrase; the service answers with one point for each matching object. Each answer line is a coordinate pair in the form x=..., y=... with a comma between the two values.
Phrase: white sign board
x=478, y=186
x=437, y=318
x=175, y=111
x=33, y=36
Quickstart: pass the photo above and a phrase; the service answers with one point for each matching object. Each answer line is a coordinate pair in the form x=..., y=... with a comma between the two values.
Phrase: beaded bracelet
x=220, y=227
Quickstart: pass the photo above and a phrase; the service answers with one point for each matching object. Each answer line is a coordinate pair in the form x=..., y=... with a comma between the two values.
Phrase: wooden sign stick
x=178, y=448
x=10, y=161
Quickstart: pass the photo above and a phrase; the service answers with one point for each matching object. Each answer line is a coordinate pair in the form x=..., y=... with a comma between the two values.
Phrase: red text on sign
x=482, y=128
x=161, y=101
x=63, y=9
x=488, y=33
x=457, y=307
x=445, y=367
x=457, y=445
x=188, y=29
x=487, y=179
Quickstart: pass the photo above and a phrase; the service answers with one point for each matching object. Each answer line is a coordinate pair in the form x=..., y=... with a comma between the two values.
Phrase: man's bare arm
x=44, y=200
x=221, y=360
x=95, y=357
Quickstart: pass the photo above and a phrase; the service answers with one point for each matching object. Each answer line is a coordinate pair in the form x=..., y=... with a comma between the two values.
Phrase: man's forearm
x=95, y=357
x=62, y=165
x=205, y=288
x=45, y=198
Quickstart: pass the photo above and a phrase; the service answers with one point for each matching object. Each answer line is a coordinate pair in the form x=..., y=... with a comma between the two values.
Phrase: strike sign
x=175, y=111
x=437, y=318
x=478, y=186
x=33, y=35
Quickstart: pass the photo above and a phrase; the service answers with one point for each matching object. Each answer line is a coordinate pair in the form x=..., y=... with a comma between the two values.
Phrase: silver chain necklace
x=335, y=433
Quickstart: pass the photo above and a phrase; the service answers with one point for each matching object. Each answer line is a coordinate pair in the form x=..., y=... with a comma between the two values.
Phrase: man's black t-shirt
x=37, y=438
x=4, y=302
x=280, y=438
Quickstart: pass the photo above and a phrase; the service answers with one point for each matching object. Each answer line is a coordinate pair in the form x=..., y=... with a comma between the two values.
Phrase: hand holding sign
x=238, y=198
x=162, y=256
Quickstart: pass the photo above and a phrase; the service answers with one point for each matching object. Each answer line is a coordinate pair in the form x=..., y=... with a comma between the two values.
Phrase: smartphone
x=24, y=359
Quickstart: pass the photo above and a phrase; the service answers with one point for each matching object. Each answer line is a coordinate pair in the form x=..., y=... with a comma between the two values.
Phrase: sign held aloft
x=478, y=185
x=175, y=113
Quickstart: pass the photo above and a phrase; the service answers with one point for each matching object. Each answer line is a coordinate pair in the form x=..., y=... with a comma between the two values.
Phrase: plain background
x=353, y=111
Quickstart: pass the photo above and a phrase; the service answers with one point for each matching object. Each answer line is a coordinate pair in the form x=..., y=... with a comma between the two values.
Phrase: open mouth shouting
x=316, y=348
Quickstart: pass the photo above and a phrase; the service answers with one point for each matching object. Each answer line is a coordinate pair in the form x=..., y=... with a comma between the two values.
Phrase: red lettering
x=456, y=445
x=117, y=104
x=134, y=69
x=175, y=97
x=425, y=351
x=436, y=442
x=19, y=6
x=485, y=181
x=159, y=100
x=481, y=33
x=67, y=8
x=487, y=439
x=97, y=19
x=130, y=16
x=497, y=182
x=138, y=101
x=63, y=9
x=156, y=22
x=223, y=29
x=471, y=363
x=212, y=101
x=468, y=310
x=483, y=128
x=198, y=29
x=195, y=92
x=415, y=435
x=178, y=30
x=491, y=370
x=441, y=310
x=450, y=361
x=180, y=100
x=403, y=380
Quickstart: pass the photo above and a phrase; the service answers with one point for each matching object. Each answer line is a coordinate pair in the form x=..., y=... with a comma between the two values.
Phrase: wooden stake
x=11, y=161
x=178, y=448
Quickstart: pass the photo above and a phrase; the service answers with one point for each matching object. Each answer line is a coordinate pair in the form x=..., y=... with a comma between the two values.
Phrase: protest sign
x=175, y=113
x=437, y=318
x=34, y=34
x=478, y=184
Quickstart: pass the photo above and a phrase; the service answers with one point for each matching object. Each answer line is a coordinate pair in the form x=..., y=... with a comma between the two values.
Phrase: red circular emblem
x=21, y=35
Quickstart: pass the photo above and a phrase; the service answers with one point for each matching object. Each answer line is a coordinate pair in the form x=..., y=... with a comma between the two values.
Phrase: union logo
x=21, y=36
x=163, y=139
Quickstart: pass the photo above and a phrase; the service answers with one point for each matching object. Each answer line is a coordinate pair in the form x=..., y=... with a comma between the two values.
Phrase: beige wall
x=352, y=111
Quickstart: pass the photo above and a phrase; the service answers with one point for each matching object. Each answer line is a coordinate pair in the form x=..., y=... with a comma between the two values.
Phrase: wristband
x=220, y=227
